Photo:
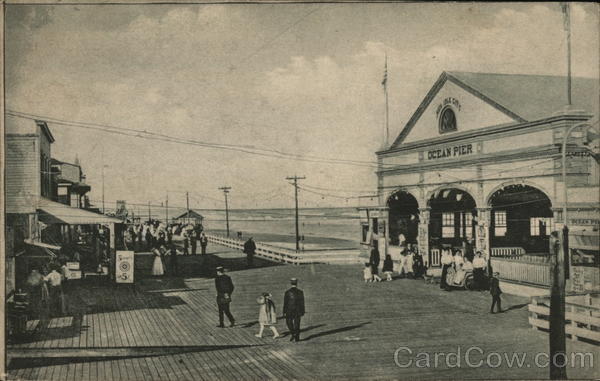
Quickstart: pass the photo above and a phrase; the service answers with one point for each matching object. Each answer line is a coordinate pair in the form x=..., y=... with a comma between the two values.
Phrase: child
x=267, y=316
x=367, y=273
x=388, y=267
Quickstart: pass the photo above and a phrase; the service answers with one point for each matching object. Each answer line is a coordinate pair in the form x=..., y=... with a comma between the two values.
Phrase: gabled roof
x=522, y=97
x=193, y=214
x=46, y=130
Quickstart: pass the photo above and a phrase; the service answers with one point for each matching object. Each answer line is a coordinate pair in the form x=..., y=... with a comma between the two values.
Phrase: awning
x=50, y=212
x=40, y=250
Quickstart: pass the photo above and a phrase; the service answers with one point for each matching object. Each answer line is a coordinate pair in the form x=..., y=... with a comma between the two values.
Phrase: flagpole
x=386, y=136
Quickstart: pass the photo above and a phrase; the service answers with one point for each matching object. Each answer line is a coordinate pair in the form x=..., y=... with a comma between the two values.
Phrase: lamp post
x=559, y=250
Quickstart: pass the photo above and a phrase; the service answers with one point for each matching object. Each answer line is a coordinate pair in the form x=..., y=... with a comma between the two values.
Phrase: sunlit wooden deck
x=165, y=330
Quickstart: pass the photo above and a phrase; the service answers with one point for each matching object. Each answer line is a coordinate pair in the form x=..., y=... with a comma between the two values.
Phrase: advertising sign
x=75, y=274
x=124, y=266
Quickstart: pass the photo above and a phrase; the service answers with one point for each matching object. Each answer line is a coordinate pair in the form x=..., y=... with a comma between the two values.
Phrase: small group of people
x=461, y=265
x=160, y=254
x=46, y=289
x=410, y=265
x=293, y=306
x=154, y=235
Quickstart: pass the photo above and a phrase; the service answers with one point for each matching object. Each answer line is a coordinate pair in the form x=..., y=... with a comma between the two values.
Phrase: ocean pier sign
x=452, y=151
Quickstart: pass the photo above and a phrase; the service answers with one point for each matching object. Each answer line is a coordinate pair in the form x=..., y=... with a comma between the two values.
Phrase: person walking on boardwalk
x=224, y=287
x=267, y=315
x=203, y=243
x=250, y=250
x=496, y=292
x=293, y=309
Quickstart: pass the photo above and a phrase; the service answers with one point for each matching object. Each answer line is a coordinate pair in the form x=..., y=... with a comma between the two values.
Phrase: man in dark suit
x=250, y=250
x=224, y=287
x=293, y=309
x=496, y=292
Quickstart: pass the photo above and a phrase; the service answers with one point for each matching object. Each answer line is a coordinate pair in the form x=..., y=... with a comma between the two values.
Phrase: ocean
x=321, y=228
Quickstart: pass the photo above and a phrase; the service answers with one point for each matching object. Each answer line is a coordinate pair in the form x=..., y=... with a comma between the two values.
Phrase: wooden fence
x=523, y=270
x=506, y=251
x=269, y=252
x=582, y=317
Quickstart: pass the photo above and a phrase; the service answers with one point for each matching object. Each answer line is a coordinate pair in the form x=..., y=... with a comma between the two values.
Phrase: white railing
x=519, y=270
x=582, y=319
x=507, y=251
x=270, y=252
x=435, y=258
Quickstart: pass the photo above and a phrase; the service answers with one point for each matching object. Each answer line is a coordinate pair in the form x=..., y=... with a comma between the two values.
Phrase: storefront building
x=480, y=161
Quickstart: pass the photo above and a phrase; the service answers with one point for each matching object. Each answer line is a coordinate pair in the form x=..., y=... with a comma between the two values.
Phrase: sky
x=304, y=79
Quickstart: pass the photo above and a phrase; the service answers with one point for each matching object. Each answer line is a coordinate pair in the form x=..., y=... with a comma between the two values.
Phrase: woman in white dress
x=157, y=267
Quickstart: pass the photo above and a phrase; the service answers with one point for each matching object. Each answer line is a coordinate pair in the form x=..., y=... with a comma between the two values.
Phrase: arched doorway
x=403, y=217
x=521, y=217
x=452, y=218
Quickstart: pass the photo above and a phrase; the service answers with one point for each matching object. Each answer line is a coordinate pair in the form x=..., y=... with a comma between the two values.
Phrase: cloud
x=184, y=71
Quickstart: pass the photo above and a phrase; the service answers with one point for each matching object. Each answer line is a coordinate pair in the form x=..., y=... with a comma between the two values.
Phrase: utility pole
x=566, y=9
x=167, y=209
x=187, y=206
x=149, y=212
x=225, y=190
x=558, y=346
x=103, y=187
x=296, y=178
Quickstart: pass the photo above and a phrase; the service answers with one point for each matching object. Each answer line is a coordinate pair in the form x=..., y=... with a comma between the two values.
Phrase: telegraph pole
x=187, y=205
x=558, y=346
x=167, y=209
x=296, y=178
x=225, y=190
x=149, y=212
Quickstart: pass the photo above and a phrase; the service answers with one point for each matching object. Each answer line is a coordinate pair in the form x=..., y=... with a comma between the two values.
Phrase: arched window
x=447, y=120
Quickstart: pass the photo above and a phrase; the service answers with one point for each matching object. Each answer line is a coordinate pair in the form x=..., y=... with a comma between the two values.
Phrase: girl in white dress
x=267, y=316
x=157, y=267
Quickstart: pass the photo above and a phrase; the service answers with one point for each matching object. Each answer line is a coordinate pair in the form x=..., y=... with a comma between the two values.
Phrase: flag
x=566, y=15
x=385, y=74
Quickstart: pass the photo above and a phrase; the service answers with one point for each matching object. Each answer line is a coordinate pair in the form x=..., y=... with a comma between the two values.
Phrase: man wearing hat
x=495, y=291
x=293, y=309
x=224, y=287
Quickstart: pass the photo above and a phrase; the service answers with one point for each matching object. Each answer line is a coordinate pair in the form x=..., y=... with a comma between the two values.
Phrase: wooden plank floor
x=166, y=329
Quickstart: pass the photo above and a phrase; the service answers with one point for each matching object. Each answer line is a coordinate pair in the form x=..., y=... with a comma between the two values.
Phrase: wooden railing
x=506, y=251
x=523, y=271
x=269, y=252
x=582, y=319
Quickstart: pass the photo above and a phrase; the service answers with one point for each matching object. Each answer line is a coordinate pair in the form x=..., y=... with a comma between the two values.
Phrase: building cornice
x=539, y=152
x=486, y=131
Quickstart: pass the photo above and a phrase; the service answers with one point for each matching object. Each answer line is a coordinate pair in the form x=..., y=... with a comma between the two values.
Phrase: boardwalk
x=165, y=329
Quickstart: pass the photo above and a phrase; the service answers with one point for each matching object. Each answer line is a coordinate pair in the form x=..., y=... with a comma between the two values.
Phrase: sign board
x=73, y=265
x=75, y=274
x=450, y=151
x=124, y=266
